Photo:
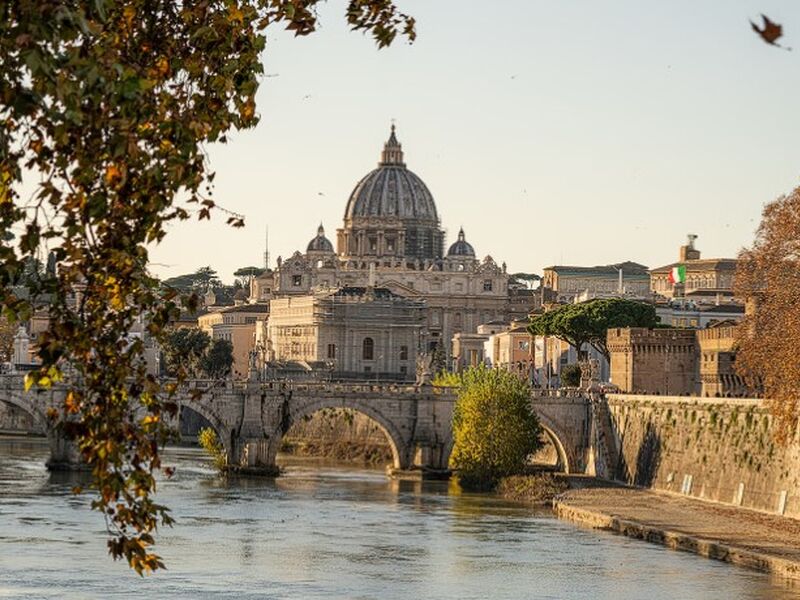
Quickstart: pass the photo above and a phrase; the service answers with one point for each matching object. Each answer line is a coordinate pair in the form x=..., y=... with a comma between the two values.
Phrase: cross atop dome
x=392, y=151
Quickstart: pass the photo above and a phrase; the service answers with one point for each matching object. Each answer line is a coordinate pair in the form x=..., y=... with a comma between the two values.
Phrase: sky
x=555, y=132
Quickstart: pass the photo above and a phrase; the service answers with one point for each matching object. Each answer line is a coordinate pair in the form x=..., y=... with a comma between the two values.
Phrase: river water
x=326, y=531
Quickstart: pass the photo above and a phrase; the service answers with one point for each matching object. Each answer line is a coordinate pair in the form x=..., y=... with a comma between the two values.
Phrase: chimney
x=689, y=252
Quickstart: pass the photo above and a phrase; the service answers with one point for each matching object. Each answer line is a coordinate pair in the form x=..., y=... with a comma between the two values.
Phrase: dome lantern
x=392, y=152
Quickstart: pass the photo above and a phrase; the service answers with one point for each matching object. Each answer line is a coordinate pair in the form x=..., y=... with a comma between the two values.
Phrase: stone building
x=708, y=280
x=568, y=282
x=469, y=349
x=236, y=324
x=512, y=350
x=717, y=359
x=391, y=236
x=676, y=362
x=348, y=332
x=685, y=313
x=653, y=361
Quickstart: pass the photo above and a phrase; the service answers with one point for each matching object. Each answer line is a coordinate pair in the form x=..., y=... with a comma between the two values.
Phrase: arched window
x=368, y=349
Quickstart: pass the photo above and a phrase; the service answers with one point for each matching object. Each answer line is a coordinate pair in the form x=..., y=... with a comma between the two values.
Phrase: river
x=331, y=531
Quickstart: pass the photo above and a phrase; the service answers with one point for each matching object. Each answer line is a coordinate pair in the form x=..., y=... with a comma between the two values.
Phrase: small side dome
x=461, y=247
x=320, y=243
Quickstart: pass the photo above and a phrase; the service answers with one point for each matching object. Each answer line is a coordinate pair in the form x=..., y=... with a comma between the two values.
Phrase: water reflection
x=324, y=531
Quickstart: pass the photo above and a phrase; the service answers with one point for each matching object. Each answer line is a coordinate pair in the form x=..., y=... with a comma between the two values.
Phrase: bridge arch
x=27, y=402
x=224, y=433
x=298, y=409
x=551, y=430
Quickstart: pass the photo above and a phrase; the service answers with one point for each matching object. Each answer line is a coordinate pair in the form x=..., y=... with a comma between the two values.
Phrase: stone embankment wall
x=719, y=449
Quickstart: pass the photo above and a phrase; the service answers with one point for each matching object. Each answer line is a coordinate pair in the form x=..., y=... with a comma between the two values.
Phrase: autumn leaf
x=770, y=32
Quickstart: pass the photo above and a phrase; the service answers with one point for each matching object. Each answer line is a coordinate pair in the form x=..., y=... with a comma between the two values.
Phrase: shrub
x=494, y=427
x=208, y=440
x=570, y=376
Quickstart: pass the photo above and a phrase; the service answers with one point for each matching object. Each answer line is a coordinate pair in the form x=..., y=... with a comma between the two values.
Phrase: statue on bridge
x=252, y=365
x=424, y=362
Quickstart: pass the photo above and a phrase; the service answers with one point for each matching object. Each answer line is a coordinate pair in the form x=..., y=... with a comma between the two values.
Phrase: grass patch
x=538, y=488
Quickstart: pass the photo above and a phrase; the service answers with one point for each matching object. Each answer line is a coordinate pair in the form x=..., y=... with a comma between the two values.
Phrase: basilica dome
x=320, y=243
x=461, y=247
x=392, y=191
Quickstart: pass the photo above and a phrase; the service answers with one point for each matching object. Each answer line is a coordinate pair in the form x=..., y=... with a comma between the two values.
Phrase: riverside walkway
x=749, y=538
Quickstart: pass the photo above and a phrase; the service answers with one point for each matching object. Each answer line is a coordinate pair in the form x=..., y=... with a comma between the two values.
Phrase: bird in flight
x=769, y=32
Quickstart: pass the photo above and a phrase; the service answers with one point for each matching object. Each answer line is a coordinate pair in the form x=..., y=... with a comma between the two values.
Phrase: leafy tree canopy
x=203, y=278
x=494, y=427
x=768, y=278
x=190, y=352
x=218, y=360
x=248, y=271
x=589, y=322
x=110, y=103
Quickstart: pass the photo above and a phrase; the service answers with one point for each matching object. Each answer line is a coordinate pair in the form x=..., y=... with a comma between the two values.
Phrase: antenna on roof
x=266, y=249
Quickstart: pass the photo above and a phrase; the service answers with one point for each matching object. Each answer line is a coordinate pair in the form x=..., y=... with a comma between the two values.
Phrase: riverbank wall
x=718, y=449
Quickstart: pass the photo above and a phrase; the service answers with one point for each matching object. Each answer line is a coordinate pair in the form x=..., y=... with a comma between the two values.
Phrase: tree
x=245, y=274
x=184, y=351
x=192, y=353
x=570, y=375
x=527, y=279
x=589, y=322
x=768, y=277
x=200, y=280
x=109, y=103
x=218, y=361
x=494, y=427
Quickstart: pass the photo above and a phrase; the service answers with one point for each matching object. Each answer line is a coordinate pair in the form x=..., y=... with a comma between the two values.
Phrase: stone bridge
x=251, y=418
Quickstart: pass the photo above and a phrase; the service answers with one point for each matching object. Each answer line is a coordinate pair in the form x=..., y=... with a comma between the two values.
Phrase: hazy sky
x=553, y=131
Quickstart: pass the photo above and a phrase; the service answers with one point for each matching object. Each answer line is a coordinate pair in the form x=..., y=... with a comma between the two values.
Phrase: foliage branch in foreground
x=105, y=107
x=768, y=278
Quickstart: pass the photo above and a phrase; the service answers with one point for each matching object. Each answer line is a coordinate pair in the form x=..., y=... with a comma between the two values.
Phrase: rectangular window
x=331, y=350
x=297, y=280
x=403, y=369
x=487, y=285
x=367, y=369
x=403, y=352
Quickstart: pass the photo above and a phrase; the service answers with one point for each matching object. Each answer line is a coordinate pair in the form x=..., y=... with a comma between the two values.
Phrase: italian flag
x=677, y=274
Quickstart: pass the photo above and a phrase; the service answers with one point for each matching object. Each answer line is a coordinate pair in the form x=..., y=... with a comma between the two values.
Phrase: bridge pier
x=64, y=454
x=253, y=456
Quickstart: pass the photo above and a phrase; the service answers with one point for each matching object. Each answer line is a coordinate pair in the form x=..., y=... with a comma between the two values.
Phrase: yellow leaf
x=113, y=175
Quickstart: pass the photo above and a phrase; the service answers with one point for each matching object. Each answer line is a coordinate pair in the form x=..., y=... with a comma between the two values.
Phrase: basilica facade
x=391, y=239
